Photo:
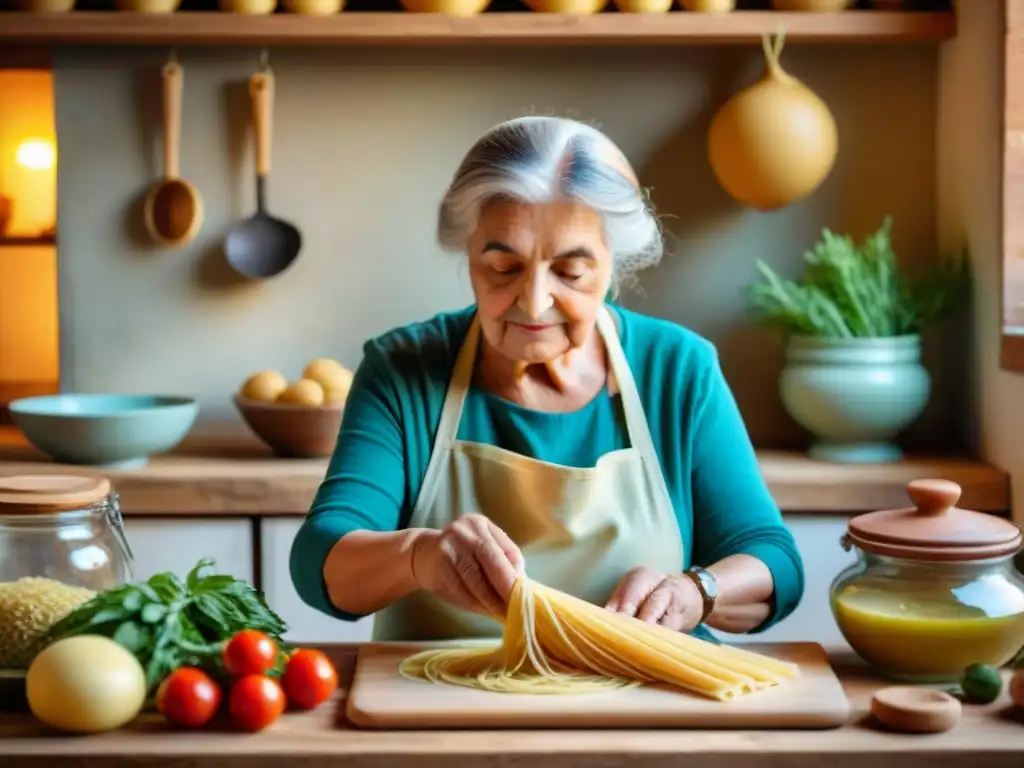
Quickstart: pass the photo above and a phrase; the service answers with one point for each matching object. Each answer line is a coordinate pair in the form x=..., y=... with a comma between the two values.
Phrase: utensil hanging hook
x=264, y=60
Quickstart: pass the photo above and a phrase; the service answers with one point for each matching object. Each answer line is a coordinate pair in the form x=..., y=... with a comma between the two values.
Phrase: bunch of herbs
x=859, y=291
x=168, y=623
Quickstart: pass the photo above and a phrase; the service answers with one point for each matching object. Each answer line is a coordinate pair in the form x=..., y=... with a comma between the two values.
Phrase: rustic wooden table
x=990, y=736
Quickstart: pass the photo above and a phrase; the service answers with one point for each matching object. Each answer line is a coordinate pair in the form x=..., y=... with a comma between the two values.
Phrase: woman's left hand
x=673, y=602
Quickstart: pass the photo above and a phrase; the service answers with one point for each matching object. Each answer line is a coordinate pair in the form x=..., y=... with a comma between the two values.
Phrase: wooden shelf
x=223, y=470
x=390, y=28
x=26, y=240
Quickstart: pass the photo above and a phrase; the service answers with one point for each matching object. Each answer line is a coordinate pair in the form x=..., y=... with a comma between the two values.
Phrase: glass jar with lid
x=934, y=588
x=62, y=540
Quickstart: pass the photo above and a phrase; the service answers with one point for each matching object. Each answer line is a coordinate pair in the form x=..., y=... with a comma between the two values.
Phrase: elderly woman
x=543, y=430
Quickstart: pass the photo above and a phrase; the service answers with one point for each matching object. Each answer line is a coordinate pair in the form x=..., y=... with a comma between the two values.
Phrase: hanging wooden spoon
x=174, y=209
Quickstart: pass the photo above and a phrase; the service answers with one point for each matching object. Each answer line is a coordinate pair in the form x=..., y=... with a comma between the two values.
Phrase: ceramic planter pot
x=854, y=395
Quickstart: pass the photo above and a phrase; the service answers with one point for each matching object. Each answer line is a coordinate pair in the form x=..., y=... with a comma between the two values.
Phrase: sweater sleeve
x=364, y=487
x=733, y=511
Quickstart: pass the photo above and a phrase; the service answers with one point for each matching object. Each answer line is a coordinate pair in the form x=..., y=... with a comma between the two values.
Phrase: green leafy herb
x=167, y=623
x=851, y=291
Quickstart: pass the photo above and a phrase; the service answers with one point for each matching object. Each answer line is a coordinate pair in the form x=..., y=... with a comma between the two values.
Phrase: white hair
x=543, y=159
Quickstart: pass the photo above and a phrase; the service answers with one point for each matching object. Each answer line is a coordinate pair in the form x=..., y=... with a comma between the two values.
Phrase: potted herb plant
x=853, y=375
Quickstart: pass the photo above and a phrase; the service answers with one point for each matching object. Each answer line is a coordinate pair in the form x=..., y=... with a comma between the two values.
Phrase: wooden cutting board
x=381, y=698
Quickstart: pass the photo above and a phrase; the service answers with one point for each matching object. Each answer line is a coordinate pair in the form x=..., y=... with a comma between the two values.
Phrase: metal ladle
x=174, y=208
x=262, y=246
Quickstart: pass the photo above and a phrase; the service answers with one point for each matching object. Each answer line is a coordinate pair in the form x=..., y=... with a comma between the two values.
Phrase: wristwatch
x=707, y=585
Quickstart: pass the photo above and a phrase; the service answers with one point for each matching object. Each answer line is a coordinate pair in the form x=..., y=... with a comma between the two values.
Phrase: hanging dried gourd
x=775, y=141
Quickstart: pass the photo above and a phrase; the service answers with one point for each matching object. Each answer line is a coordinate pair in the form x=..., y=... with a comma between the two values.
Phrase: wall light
x=36, y=154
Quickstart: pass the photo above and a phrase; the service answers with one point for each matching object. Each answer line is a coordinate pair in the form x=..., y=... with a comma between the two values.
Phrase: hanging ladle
x=174, y=209
x=262, y=246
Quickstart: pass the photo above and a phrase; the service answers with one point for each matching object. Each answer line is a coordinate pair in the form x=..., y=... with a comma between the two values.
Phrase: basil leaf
x=132, y=601
x=167, y=586
x=153, y=613
x=195, y=575
x=133, y=636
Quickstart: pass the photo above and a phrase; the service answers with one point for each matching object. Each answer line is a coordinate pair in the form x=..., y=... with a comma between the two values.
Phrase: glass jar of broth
x=934, y=588
x=62, y=540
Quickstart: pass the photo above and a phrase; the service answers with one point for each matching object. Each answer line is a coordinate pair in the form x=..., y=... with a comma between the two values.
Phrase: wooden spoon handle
x=172, y=75
x=261, y=91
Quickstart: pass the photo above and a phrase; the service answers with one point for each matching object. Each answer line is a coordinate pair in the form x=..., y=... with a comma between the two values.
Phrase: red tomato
x=188, y=697
x=250, y=652
x=309, y=678
x=255, y=701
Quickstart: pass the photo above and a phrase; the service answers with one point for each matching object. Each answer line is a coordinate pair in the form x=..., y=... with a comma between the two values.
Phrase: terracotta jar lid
x=49, y=494
x=935, y=529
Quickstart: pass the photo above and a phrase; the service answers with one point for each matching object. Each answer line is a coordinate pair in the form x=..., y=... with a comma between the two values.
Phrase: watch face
x=709, y=582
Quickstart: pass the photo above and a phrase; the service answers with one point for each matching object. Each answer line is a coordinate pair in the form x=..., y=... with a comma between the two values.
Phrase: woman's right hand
x=472, y=564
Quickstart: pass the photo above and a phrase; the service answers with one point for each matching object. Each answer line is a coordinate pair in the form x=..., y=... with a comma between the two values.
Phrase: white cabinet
x=306, y=625
x=817, y=536
x=176, y=545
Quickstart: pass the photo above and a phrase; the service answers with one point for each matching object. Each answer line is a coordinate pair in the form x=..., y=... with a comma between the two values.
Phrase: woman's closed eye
x=571, y=276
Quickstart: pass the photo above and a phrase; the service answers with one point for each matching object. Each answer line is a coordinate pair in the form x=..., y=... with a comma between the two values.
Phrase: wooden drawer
x=306, y=625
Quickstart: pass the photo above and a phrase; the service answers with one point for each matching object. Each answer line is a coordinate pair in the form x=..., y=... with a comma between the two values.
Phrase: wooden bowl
x=812, y=6
x=314, y=7
x=575, y=7
x=293, y=431
x=644, y=6
x=247, y=7
x=709, y=6
x=44, y=6
x=447, y=7
x=148, y=6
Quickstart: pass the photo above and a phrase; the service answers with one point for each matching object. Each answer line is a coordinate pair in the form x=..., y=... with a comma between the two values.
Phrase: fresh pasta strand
x=554, y=643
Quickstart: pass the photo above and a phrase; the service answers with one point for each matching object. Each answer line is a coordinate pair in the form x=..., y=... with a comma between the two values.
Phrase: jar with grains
x=934, y=588
x=62, y=540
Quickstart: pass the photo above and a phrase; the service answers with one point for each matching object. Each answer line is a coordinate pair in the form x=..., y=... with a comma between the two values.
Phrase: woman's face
x=540, y=273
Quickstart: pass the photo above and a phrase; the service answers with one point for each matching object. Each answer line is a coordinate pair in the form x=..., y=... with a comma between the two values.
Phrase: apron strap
x=632, y=406
x=451, y=415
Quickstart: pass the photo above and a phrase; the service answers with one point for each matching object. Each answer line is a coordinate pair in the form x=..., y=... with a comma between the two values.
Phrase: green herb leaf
x=133, y=636
x=849, y=291
x=168, y=623
x=132, y=601
x=153, y=613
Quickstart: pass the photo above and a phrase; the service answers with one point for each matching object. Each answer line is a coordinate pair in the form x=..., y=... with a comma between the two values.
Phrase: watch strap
x=696, y=574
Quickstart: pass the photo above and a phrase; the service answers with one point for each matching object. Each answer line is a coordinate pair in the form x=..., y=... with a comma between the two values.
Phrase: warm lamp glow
x=36, y=154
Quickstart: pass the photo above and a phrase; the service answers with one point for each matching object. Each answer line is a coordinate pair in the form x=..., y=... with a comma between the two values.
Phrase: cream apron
x=580, y=530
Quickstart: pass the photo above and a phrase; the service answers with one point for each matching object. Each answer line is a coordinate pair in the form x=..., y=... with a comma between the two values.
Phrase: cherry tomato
x=309, y=678
x=255, y=701
x=249, y=653
x=188, y=697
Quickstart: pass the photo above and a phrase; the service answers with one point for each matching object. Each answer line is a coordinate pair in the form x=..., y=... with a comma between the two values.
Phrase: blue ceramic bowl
x=114, y=431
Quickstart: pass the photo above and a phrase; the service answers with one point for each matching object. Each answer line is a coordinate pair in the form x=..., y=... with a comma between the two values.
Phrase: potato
x=303, y=392
x=264, y=387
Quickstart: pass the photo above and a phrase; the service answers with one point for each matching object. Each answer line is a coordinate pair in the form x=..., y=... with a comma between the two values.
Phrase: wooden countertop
x=228, y=472
x=990, y=736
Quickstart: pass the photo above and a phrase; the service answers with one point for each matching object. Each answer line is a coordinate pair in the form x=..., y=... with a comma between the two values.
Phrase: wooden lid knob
x=933, y=497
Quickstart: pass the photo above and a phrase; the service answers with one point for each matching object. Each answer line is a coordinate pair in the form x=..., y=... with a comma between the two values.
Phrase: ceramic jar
x=934, y=588
x=854, y=395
